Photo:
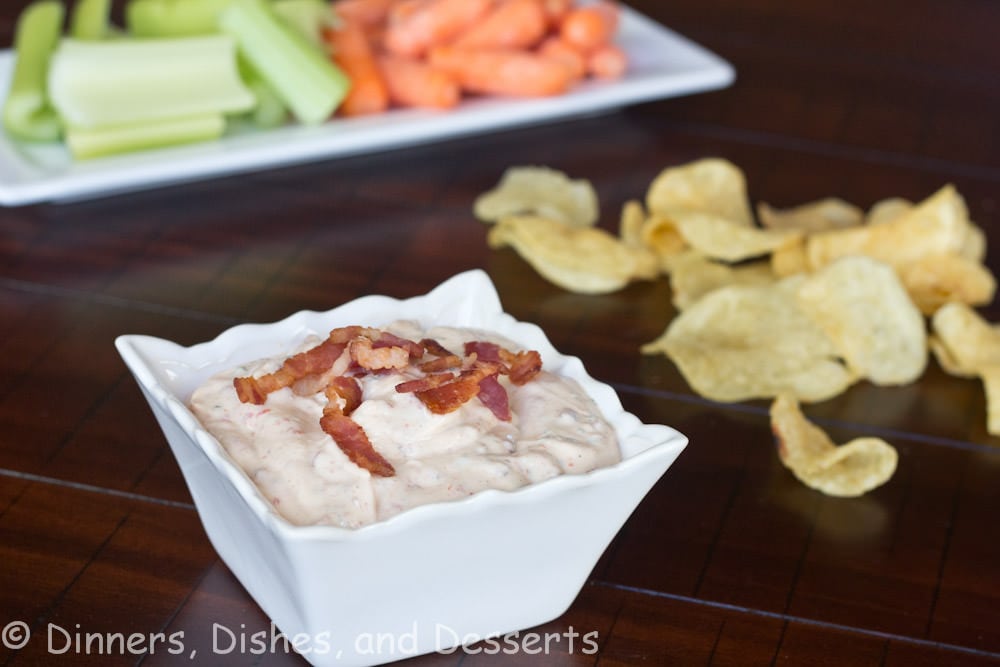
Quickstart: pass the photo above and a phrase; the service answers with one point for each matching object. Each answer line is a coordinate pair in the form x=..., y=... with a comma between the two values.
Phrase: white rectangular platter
x=662, y=64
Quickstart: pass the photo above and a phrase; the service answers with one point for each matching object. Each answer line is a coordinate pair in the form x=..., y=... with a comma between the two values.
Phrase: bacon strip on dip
x=360, y=425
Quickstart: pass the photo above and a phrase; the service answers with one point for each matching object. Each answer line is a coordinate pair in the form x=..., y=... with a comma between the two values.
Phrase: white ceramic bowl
x=430, y=578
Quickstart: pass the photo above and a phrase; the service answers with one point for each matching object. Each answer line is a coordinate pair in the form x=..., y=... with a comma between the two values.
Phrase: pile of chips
x=794, y=305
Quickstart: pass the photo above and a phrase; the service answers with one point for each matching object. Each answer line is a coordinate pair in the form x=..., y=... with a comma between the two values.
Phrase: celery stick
x=116, y=82
x=173, y=18
x=309, y=17
x=86, y=143
x=91, y=19
x=304, y=76
x=27, y=111
x=269, y=111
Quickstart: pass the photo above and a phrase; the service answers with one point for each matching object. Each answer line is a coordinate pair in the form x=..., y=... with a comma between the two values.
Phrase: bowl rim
x=657, y=442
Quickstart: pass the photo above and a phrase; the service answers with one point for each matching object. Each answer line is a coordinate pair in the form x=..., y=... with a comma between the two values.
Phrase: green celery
x=115, y=82
x=91, y=19
x=269, y=110
x=173, y=18
x=85, y=143
x=309, y=17
x=303, y=75
x=27, y=111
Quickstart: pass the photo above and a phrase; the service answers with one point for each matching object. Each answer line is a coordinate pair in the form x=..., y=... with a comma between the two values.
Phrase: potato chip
x=817, y=216
x=887, y=210
x=849, y=470
x=974, y=245
x=660, y=234
x=966, y=345
x=740, y=342
x=990, y=376
x=946, y=359
x=540, y=191
x=939, y=224
x=587, y=260
x=692, y=276
x=969, y=342
x=862, y=306
x=710, y=186
x=789, y=260
x=935, y=280
x=632, y=221
x=669, y=234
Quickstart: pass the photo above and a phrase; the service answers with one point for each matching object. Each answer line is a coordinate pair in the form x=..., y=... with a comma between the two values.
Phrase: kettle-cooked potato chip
x=789, y=260
x=970, y=342
x=817, y=216
x=711, y=186
x=849, y=470
x=631, y=223
x=660, y=234
x=588, y=260
x=740, y=342
x=862, y=306
x=720, y=238
x=974, y=245
x=966, y=345
x=670, y=233
x=887, y=209
x=939, y=224
x=546, y=192
x=935, y=280
x=692, y=276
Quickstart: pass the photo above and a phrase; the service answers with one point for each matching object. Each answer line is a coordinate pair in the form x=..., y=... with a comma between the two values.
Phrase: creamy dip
x=555, y=429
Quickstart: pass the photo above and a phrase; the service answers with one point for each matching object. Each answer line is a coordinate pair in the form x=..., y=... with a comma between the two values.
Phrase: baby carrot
x=554, y=47
x=503, y=71
x=414, y=83
x=590, y=26
x=511, y=24
x=365, y=12
x=607, y=62
x=431, y=23
x=351, y=51
x=556, y=10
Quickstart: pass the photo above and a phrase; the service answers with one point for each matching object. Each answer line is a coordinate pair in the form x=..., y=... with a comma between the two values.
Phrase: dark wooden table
x=728, y=560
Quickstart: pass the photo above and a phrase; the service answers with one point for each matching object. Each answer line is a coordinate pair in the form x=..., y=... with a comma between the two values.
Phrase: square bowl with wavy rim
x=433, y=577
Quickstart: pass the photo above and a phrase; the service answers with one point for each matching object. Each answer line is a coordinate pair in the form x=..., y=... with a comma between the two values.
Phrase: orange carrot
x=556, y=10
x=607, y=62
x=365, y=12
x=555, y=47
x=503, y=71
x=402, y=10
x=415, y=83
x=351, y=51
x=424, y=25
x=591, y=26
x=511, y=24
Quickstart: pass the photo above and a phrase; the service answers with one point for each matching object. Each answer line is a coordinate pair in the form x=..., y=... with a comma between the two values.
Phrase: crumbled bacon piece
x=334, y=365
x=386, y=339
x=351, y=438
x=523, y=365
x=314, y=360
x=424, y=383
x=494, y=396
x=348, y=389
x=372, y=358
x=441, y=364
x=452, y=395
x=483, y=350
x=435, y=348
